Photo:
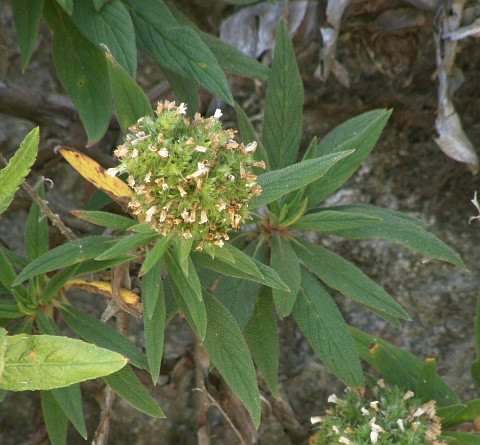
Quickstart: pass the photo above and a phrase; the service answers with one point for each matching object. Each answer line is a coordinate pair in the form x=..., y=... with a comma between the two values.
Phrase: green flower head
x=190, y=177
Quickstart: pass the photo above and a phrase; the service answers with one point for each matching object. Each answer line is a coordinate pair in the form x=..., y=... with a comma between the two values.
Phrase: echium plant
x=190, y=188
x=391, y=417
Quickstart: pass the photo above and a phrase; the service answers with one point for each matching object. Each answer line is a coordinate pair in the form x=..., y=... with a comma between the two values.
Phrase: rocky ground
x=406, y=172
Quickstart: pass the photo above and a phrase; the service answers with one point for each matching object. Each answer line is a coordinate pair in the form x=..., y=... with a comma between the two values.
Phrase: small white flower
x=204, y=219
x=374, y=405
x=182, y=109
x=407, y=395
x=135, y=153
x=112, y=172
x=218, y=113
x=251, y=147
x=150, y=212
x=400, y=425
x=200, y=149
x=163, y=152
x=333, y=399
x=315, y=419
x=374, y=436
x=365, y=411
x=344, y=440
x=335, y=428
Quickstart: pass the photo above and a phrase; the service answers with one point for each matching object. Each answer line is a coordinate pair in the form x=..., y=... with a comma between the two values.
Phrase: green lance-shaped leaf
x=130, y=101
x=262, y=339
x=126, y=384
x=69, y=399
x=93, y=330
x=277, y=183
x=228, y=57
x=397, y=366
x=230, y=355
x=156, y=253
x=186, y=296
x=249, y=135
x=284, y=261
x=238, y=295
x=459, y=438
x=400, y=229
x=110, y=26
x=26, y=16
x=242, y=265
x=45, y=362
x=177, y=48
x=426, y=381
x=17, y=169
x=328, y=220
x=56, y=421
x=282, y=123
x=9, y=309
x=323, y=326
x=105, y=219
x=126, y=244
x=36, y=231
x=154, y=323
x=343, y=276
x=454, y=415
x=67, y=254
x=82, y=70
x=359, y=133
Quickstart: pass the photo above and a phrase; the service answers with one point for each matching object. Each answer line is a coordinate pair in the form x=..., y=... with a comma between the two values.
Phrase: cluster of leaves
x=229, y=295
x=85, y=34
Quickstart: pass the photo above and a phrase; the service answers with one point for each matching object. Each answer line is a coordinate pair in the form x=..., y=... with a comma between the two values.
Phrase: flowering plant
x=393, y=417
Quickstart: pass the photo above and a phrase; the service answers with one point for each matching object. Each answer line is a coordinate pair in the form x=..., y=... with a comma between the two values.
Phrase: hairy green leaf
x=282, y=123
x=459, y=438
x=3, y=349
x=126, y=244
x=360, y=134
x=328, y=220
x=454, y=415
x=26, y=16
x=154, y=323
x=397, y=228
x=156, y=253
x=82, y=70
x=17, y=169
x=126, y=384
x=397, y=366
x=343, y=276
x=177, y=48
x=322, y=324
x=69, y=399
x=130, y=101
x=262, y=339
x=36, y=231
x=279, y=182
x=56, y=421
x=426, y=381
x=284, y=261
x=110, y=26
x=46, y=362
x=66, y=255
x=94, y=331
x=230, y=355
x=186, y=296
x=105, y=219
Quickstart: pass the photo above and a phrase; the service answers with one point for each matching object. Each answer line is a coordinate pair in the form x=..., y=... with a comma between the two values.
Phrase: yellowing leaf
x=97, y=175
x=102, y=288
